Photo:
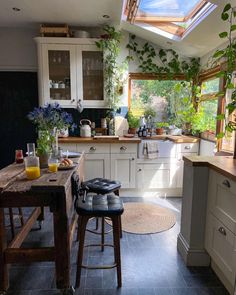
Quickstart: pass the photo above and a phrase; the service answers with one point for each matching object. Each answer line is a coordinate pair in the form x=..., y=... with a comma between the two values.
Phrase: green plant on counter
x=132, y=120
x=114, y=73
x=162, y=124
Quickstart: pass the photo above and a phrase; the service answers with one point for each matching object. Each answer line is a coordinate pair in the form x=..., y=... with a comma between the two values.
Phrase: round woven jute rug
x=146, y=218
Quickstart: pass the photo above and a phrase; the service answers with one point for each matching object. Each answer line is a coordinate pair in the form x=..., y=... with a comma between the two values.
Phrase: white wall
x=207, y=148
x=18, y=49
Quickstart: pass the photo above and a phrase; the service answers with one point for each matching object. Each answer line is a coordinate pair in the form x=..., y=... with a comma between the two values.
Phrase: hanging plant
x=166, y=63
x=228, y=56
x=114, y=73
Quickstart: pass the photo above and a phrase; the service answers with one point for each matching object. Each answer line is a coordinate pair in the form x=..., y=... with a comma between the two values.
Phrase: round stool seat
x=100, y=205
x=102, y=186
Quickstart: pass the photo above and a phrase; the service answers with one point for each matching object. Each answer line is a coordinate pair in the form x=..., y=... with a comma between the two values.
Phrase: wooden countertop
x=224, y=165
x=176, y=139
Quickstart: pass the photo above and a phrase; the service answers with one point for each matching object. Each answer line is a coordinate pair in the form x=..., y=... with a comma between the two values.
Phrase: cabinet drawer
x=94, y=148
x=222, y=199
x=189, y=147
x=220, y=244
x=119, y=148
x=72, y=147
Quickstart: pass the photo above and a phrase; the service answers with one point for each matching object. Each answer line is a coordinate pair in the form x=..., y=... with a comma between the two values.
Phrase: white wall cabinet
x=70, y=69
x=220, y=235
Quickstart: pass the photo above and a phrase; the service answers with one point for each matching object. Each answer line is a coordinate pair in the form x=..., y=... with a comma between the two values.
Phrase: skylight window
x=174, y=17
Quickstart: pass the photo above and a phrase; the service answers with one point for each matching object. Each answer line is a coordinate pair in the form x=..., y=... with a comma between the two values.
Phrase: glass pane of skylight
x=171, y=8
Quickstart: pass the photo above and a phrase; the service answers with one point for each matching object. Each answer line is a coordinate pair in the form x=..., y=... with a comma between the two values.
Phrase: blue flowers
x=51, y=116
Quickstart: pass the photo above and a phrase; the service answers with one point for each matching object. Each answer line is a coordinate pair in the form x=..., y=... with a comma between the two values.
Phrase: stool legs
x=102, y=234
x=116, y=238
x=82, y=231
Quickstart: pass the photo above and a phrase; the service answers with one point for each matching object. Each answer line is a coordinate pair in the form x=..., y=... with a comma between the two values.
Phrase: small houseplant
x=160, y=127
x=133, y=123
x=49, y=120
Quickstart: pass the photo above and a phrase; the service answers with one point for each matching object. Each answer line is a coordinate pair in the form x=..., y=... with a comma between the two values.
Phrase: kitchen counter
x=224, y=165
x=176, y=139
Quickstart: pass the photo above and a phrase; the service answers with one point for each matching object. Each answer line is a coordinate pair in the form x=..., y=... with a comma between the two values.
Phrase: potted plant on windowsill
x=49, y=120
x=160, y=127
x=133, y=123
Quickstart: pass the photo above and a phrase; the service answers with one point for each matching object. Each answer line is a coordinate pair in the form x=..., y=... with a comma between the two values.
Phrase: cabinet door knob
x=73, y=100
x=132, y=159
x=139, y=169
x=123, y=148
x=92, y=148
x=222, y=231
x=226, y=183
x=187, y=147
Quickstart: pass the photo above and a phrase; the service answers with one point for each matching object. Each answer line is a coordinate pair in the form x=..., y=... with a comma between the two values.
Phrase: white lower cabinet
x=159, y=175
x=123, y=169
x=97, y=165
x=220, y=234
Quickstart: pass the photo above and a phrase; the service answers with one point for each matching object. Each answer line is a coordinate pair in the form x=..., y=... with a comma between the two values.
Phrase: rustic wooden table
x=51, y=190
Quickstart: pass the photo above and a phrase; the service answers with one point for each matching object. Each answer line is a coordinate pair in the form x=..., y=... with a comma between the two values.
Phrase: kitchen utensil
x=85, y=129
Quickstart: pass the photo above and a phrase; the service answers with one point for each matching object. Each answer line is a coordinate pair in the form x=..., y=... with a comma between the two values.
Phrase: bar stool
x=100, y=186
x=110, y=206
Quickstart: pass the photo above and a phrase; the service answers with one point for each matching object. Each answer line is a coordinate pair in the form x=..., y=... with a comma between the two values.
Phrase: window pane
x=210, y=86
x=209, y=113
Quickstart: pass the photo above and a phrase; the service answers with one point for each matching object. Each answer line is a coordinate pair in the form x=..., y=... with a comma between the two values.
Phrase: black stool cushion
x=100, y=205
x=102, y=186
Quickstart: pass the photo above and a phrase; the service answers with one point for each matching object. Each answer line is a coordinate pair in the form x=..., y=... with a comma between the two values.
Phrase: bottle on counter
x=144, y=131
x=140, y=132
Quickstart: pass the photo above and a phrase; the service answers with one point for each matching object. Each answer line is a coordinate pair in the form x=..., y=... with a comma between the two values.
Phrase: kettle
x=85, y=129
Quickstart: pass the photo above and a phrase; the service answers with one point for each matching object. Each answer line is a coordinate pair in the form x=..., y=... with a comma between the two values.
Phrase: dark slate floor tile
x=163, y=291
x=202, y=281
x=200, y=291
x=17, y=292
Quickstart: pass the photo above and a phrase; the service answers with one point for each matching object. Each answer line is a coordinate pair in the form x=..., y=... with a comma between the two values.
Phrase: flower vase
x=55, y=134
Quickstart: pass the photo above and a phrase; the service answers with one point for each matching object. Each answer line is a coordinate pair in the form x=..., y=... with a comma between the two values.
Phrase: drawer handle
x=222, y=231
x=187, y=147
x=226, y=183
x=123, y=148
x=92, y=149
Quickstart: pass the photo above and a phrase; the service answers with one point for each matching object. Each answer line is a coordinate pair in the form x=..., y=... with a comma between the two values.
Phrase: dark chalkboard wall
x=18, y=96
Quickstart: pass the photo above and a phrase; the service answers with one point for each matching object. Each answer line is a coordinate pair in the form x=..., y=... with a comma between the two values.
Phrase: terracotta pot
x=159, y=131
x=132, y=130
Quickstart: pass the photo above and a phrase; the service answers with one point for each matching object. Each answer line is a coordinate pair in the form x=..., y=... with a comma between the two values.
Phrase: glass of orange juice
x=32, y=168
x=53, y=164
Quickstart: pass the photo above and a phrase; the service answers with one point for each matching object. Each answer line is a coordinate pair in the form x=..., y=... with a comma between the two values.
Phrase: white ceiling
x=201, y=40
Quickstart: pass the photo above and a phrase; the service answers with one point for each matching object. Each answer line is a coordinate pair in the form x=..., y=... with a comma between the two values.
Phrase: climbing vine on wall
x=166, y=63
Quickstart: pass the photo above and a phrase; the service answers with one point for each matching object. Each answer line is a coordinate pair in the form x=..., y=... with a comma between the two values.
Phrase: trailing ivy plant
x=114, y=73
x=228, y=55
x=167, y=63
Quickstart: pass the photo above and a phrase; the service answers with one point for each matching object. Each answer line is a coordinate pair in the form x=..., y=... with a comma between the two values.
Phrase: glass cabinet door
x=61, y=75
x=92, y=73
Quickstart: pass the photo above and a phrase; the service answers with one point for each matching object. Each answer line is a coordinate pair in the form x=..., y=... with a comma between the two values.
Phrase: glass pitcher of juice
x=32, y=167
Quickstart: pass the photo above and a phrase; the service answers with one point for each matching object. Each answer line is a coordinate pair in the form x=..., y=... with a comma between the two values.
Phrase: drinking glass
x=53, y=163
x=19, y=156
x=32, y=168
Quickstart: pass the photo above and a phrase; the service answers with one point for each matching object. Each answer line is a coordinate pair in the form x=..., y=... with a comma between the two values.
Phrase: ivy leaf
x=224, y=16
x=220, y=74
x=220, y=117
x=220, y=135
x=227, y=7
x=223, y=35
x=218, y=53
x=221, y=93
x=233, y=28
x=230, y=86
x=98, y=44
x=133, y=37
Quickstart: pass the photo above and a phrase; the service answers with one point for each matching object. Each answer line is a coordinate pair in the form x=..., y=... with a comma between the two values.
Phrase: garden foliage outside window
x=171, y=101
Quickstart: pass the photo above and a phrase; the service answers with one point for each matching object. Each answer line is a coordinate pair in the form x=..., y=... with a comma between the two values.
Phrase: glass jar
x=32, y=168
x=53, y=163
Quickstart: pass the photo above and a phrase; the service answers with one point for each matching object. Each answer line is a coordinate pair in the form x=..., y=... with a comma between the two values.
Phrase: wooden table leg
x=4, y=282
x=62, y=245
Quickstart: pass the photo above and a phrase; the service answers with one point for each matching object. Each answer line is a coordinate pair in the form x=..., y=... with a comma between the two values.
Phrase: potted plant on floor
x=133, y=123
x=160, y=127
x=49, y=120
